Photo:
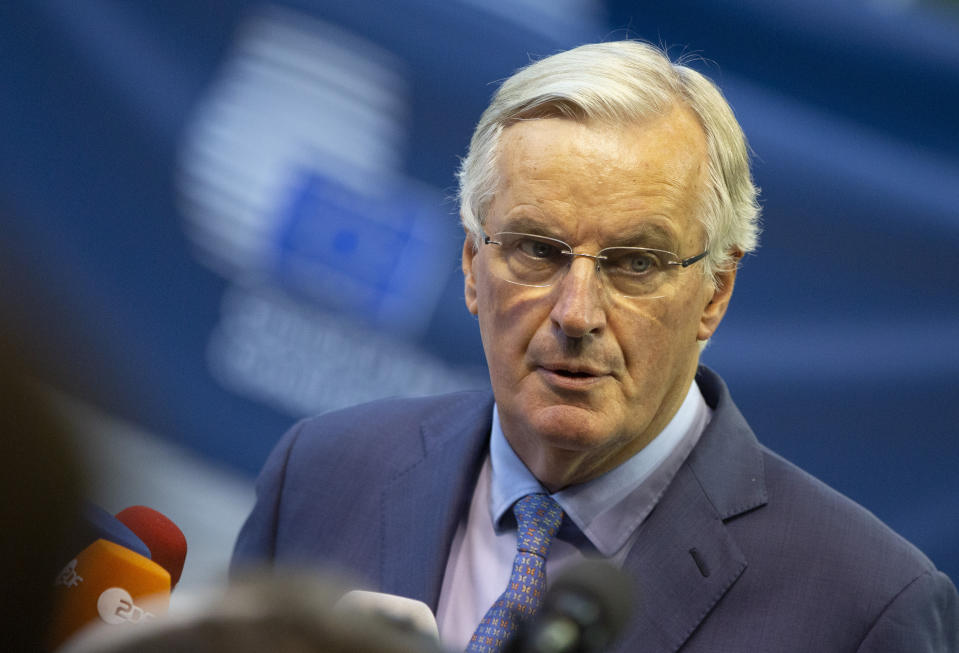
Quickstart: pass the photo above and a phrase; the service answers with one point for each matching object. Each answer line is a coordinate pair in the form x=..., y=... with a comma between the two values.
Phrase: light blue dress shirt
x=602, y=517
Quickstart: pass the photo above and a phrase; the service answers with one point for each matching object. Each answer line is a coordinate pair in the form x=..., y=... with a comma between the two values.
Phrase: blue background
x=840, y=345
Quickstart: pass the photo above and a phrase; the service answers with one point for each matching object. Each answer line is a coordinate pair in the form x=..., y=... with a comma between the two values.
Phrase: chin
x=571, y=427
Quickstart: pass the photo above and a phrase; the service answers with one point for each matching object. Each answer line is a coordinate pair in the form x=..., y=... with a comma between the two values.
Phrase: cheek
x=508, y=320
x=644, y=354
x=657, y=339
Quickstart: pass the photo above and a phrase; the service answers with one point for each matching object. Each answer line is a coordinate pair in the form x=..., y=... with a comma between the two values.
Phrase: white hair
x=618, y=83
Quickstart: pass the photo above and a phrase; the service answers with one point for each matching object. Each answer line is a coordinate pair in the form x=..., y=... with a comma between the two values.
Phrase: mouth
x=570, y=376
x=573, y=369
x=573, y=375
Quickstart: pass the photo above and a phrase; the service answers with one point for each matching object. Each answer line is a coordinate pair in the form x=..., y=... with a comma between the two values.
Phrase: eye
x=634, y=262
x=637, y=262
x=640, y=263
x=537, y=248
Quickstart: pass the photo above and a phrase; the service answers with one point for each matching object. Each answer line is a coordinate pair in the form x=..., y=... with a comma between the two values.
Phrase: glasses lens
x=636, y=271
x=527, y=259
x=531, y=260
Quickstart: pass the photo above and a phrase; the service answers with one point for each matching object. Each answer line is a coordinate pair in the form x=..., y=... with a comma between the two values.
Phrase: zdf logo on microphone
x=116, y=606
x=69, y=576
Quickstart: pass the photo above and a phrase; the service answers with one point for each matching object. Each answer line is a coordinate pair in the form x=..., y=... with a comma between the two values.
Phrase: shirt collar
x=599, y=507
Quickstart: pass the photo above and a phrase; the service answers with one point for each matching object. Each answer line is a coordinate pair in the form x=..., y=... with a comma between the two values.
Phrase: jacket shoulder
x=837, y=522
x=319, y=493
x=380, y=425
x=811, y=545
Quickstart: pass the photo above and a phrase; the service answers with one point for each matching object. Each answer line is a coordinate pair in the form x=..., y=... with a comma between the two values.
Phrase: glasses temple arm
x=692, y=259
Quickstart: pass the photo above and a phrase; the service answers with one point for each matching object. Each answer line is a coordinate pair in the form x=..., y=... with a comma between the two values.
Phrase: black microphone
x=582, y=612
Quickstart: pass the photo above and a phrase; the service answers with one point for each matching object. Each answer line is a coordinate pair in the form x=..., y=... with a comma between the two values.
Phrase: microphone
x=112, y=579
x=582, y=612
x=94, y=524
x=165, y=541
x=406, y=614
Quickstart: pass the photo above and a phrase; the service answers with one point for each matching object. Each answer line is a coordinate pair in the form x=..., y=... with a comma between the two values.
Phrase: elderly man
x=607, y=200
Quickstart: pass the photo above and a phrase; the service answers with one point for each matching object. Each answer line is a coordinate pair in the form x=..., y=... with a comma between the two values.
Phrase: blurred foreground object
x=277, y=614
x=165, y=540
x=40, y=486
x=124, y=569
x=584, y=611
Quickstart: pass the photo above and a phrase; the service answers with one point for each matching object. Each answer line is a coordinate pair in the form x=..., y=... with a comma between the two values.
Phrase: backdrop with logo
x=219, y=217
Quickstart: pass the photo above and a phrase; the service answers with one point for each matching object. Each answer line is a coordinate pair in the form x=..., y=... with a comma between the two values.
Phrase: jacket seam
x=889, y=605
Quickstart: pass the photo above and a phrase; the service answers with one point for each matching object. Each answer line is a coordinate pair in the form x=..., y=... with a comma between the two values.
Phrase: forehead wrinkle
x=616, y=186
x=644, y=234
x=633, y=215
x=527, y=224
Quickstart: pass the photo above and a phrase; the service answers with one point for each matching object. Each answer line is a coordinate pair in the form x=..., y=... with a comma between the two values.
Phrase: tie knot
x=537, y=519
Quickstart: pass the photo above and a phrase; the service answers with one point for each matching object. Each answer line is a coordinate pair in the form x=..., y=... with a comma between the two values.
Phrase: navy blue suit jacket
x=784, y=562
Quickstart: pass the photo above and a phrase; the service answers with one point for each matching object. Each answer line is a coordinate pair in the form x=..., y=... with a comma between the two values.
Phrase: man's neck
x=558, y=467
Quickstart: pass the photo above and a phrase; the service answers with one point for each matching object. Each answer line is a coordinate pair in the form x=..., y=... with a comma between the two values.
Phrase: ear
x=718, y=300
x=469, y=281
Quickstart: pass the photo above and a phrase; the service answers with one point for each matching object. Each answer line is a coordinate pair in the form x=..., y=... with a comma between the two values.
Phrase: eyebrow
x=527, y=225
x=646, y=234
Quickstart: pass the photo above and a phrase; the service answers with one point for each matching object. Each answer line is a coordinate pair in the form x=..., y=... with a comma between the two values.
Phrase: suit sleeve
x=923, y=618
x=256, y=542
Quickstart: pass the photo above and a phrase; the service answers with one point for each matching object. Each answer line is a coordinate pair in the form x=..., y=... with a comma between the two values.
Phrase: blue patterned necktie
x=537, y=520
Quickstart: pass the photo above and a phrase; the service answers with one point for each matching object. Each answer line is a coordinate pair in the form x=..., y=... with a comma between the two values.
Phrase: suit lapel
x=423, y=502
x=684, y=559
x=682, y=563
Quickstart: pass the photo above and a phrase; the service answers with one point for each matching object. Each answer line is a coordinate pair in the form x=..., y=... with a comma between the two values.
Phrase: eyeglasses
x=538, y=261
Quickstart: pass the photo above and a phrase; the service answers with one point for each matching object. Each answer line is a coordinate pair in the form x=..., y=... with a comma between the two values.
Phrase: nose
x=580, y=307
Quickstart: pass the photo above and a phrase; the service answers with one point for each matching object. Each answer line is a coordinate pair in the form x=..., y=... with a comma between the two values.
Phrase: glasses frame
x=597, y=258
